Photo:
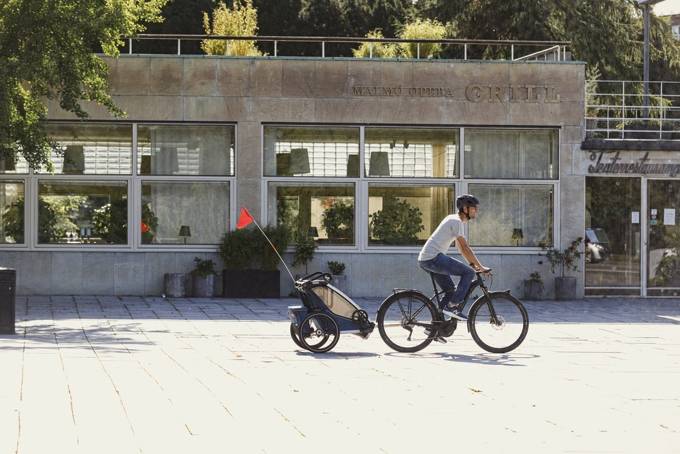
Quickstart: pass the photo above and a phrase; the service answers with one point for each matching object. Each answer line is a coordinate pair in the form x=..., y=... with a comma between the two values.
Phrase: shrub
x=241, y=20
x=204, y=268
x=336, y=268
x=375, y=49
x=422, y=29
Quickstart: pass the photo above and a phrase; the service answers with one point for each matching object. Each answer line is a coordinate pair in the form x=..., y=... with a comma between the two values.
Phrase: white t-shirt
x=446, y=233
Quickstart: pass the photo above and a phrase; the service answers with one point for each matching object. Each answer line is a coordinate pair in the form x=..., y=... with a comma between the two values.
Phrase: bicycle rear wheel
x=406, y=321
x=498, y=323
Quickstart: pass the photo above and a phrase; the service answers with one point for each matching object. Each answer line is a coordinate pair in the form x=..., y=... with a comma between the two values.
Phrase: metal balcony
x=617, y=116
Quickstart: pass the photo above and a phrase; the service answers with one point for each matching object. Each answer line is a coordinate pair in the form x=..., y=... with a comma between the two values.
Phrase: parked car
x=596, y=245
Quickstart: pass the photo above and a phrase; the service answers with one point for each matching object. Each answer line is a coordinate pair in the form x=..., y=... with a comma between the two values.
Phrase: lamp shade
x=379, y=164
x=184, y=231
x=353, y=165
x=74, y=160
x=299, y=161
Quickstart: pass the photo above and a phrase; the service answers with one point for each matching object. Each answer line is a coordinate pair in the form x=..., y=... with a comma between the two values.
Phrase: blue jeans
x=442, y=268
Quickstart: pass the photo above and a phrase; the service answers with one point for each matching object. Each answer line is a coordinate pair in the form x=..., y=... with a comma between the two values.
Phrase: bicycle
x=497, y=321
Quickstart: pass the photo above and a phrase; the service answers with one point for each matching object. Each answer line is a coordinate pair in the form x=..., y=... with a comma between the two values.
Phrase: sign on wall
x=470, y=93
x=633, y=162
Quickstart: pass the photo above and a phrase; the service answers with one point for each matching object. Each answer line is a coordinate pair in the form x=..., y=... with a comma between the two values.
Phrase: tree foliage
x=46, y=52
x=239, y=20
x=604, y=32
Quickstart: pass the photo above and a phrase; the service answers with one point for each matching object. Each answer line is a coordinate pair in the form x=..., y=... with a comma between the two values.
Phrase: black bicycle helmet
x=466, y=200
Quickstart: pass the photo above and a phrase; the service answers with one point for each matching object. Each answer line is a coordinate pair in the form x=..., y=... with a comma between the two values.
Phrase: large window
x=411, y=153
x=311, y=151
x=406, y=215
x=511, y=154
x=323, y=212
x=11, y=212
x=407, y=181
x=512, y=215
x=184, y=213
x=89, y=149
x=122, y=185
x=185, y=150
x=82, y=212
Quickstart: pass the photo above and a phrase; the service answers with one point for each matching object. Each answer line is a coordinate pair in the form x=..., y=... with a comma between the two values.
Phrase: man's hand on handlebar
x=482, y=269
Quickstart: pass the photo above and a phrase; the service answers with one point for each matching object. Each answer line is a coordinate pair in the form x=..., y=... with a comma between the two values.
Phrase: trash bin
x=8, y=279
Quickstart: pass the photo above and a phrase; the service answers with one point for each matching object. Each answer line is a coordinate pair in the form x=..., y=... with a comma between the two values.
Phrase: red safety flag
x=244, y=219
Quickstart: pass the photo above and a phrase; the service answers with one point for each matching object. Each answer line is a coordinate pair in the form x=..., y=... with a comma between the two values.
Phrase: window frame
x=460, y=185
x=134, y=182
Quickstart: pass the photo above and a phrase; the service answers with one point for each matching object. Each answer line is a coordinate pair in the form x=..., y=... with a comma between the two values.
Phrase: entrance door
x=612, y=236
x=663, y=256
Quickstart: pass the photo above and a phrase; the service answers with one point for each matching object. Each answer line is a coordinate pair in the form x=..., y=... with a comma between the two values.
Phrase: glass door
x=663, y=253
x=612, y=236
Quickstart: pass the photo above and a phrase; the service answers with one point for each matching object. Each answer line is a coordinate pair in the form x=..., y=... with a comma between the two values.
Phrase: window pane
x=91, y=149
x=184, y=213
x=325, y=213
x=406, y=216
x=418, y=153
x=512, y=215
x=13, y=164
x=311, y=152
x=11, y=213
x=185, y=150
x=82, y=213
x=498, y=153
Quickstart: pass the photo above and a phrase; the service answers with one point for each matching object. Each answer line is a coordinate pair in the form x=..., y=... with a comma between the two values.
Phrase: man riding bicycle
x=433, y=258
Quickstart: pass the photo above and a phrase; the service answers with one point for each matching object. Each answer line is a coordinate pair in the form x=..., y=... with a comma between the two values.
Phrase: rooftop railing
x=332, y=47
x=618, y=110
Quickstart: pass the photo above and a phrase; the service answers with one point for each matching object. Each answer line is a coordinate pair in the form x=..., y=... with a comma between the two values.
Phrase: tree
x=46, y=52
x=181, y=17
x=606, y=32
x=239, y=20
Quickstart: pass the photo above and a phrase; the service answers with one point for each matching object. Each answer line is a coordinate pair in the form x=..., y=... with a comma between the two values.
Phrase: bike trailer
x=325, y=312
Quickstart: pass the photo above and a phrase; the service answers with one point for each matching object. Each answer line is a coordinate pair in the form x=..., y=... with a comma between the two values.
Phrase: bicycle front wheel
x=498, y=323
x=406, y=321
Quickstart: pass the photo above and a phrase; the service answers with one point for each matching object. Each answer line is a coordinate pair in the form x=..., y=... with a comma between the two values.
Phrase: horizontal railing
x=619, y=110
x=465, y=49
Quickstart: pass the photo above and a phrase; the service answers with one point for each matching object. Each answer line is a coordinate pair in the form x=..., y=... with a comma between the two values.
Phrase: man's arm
x=466, y=252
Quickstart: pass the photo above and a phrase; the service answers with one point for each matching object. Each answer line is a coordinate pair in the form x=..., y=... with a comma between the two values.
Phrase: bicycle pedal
x=439, y=339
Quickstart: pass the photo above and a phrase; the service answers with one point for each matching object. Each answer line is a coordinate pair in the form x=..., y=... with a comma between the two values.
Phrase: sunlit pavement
x=132, y=375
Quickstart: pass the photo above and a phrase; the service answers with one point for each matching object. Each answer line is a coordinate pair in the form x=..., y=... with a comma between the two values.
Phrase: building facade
x=366, y=156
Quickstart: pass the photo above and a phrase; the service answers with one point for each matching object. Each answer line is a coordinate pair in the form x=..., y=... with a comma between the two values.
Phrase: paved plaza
x=147, y=375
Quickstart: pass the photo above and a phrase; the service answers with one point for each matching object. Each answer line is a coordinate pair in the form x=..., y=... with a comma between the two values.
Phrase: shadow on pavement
x=488, y=359
x=337, y=355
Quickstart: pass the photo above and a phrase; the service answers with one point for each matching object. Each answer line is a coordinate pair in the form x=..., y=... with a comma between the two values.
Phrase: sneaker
x=454, y=311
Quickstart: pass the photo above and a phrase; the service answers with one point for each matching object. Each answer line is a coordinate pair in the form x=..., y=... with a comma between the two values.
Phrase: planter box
x=565, y=288
x=340, y=281
x=204, y=286
x=533, y=290
x=251, y=284
x=175, y=285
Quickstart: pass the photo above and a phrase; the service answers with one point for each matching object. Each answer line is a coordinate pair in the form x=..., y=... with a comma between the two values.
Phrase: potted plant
x=250, y=264
x=337, y=270
x=397, y=223
x=338, y=220
x=203, y=278
x=533, y=287
x=565, y=260
x=304, y=250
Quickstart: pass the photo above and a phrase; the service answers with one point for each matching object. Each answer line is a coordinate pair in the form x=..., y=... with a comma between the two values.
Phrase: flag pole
x=277, y=252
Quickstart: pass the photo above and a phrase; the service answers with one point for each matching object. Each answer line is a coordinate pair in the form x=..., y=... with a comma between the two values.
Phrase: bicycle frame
x=479, y=282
